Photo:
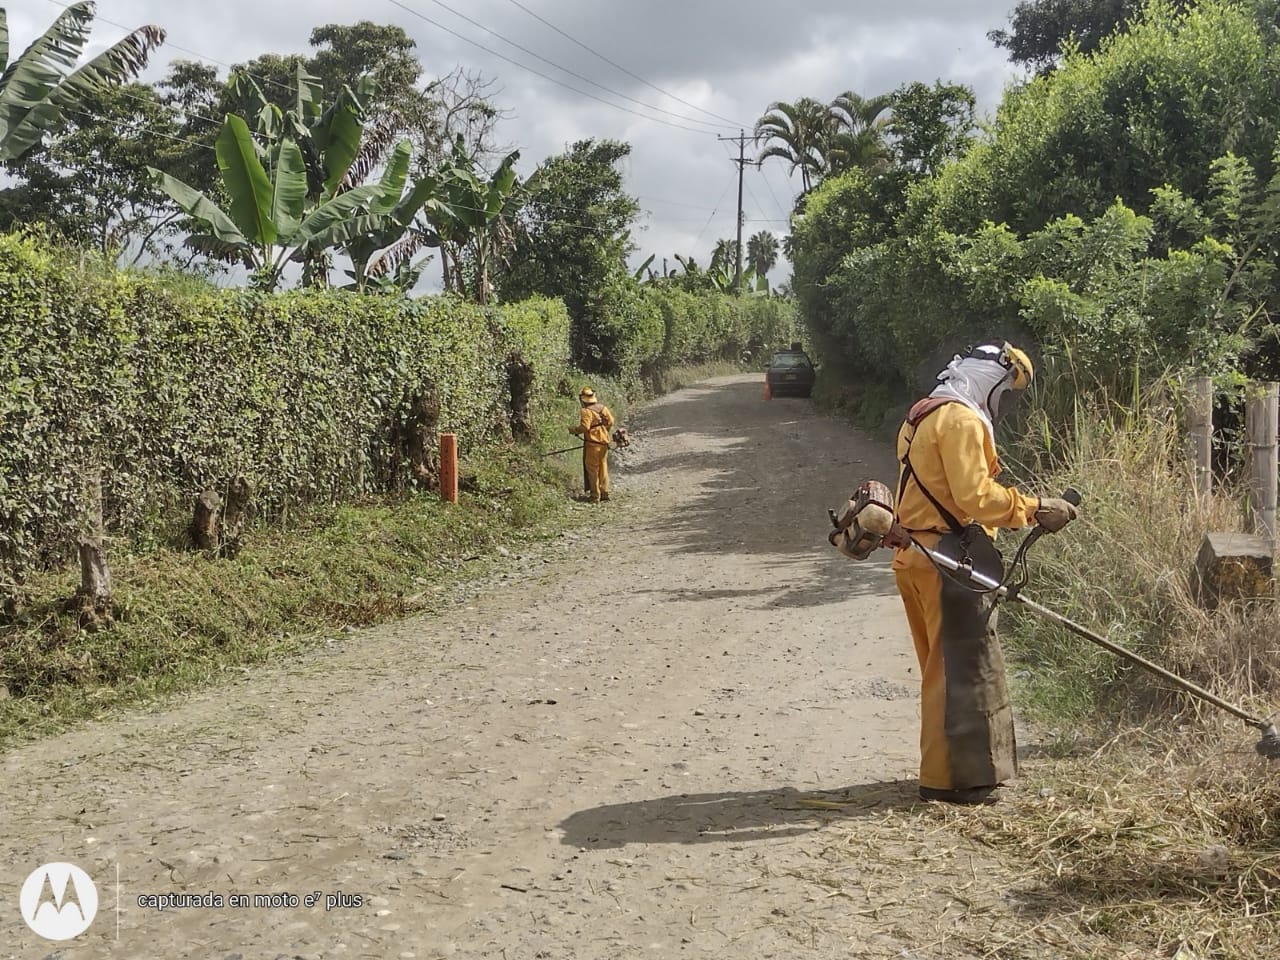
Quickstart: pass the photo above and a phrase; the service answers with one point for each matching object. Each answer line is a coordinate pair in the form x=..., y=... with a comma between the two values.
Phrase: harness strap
x=918, y=413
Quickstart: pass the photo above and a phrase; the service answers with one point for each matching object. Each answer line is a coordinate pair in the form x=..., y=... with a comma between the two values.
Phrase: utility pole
x=741, y=140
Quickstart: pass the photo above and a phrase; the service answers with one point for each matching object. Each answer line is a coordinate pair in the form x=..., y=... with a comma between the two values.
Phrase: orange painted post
x=768, y=394
x=449, y=467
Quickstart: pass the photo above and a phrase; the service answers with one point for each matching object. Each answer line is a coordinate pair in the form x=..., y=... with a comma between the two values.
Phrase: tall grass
x=1123, y=569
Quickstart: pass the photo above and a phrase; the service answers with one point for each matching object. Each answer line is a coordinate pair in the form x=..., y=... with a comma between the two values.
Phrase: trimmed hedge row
x=155, y=389
x=657, y=328
x=130, y=393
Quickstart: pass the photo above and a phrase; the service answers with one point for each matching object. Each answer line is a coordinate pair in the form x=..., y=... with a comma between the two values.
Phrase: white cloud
x=731, y=59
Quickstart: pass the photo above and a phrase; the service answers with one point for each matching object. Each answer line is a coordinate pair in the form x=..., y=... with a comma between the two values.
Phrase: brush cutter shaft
x=552, y=453
x=987, y=583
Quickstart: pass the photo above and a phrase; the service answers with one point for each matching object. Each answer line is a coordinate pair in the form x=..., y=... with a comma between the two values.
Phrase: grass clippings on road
x=1144, y=849
x=183, y=620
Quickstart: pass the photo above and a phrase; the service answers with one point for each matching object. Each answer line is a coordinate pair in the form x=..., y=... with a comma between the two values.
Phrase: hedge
x=132, y=393
x=159, y=388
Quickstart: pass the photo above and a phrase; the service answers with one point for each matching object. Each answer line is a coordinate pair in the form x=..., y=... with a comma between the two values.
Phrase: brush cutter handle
x=1003, y=592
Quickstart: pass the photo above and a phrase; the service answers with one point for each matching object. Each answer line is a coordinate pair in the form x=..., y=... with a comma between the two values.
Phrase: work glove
x=1055, y=513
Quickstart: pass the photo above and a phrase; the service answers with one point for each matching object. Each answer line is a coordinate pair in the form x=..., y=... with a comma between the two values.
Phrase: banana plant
x=643, y=269
x=382, y=242
x=35, y=88
x=331, y=137
x=472, y=216
x=269, y=219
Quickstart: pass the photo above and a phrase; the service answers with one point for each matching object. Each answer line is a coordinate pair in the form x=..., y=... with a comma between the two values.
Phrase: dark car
x=790, y=372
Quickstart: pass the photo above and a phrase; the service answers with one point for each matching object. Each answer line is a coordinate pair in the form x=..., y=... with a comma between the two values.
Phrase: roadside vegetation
x=220, y=389
x=1118, y=215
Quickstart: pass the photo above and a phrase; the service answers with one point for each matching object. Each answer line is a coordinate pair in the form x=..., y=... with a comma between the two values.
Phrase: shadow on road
x=766, y=472
x=733, y=817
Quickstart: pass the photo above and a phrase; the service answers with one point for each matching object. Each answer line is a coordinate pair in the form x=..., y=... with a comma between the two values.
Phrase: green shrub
x=159, y=390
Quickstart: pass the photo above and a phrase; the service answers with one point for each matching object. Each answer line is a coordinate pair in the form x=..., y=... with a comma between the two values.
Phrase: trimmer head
x=1269, y=745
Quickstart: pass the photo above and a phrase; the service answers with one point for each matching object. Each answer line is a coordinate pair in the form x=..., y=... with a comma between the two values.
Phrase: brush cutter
x=621, y=440
x=867, y=522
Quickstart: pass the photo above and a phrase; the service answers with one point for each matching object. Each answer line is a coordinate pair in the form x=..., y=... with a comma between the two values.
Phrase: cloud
x=716, y=62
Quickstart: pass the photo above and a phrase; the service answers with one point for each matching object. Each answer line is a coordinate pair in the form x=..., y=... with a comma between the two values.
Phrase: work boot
x=604, y=497
x=969, y=796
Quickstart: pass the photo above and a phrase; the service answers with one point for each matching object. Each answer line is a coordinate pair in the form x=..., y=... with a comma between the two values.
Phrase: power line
x=714, y=211
x=769, y=187
x=180, y=49
x=537, y=73
x=618, y=66
x=204, y=146
x=563, y=69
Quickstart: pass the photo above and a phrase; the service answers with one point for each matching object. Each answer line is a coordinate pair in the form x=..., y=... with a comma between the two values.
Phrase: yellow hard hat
x=587, y=395
x=1023, y=371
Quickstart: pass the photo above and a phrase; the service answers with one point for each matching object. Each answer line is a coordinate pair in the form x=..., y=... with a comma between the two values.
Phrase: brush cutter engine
x=864, y=522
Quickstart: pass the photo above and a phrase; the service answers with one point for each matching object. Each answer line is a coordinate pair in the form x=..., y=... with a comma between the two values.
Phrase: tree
x=268, y=220
x=1040, y=28
x=382, y=53
x=35, y=91
x=572, y=241
x=472, y=219
x=931, y=125
x=381, y=243
x=857, y=135
x=90, y=183
x=762, y=252
x=799, y=134
x=724, y=255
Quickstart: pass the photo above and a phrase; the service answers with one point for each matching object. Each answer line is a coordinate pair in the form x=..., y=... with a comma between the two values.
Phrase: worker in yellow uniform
x=594, y=427
x=948, y=499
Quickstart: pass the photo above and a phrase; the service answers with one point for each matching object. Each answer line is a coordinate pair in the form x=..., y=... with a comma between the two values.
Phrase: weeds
x=1123, y=569
x=183, y=620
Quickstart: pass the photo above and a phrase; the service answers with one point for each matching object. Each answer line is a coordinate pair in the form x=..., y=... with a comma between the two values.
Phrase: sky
x=694, y=71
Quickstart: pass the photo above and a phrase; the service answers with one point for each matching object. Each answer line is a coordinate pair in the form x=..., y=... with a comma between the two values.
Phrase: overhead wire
x=204, y=146
x=537, y=73
x=618, y=66
x=136, y=129
x=564, y=69
x=199, y=56
x=714, y=211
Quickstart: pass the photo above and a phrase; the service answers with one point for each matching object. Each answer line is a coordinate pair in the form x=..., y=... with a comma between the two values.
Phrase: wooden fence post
x=449, y=467
x=1261, y=424
x=1200, y=435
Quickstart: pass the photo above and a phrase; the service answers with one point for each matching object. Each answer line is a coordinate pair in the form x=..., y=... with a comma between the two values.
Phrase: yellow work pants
x=921, y=590
x=966, y=732
x=595, y=463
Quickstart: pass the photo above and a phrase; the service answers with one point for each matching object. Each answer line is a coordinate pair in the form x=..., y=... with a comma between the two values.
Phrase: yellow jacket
x=595, y=424
x=954, y=458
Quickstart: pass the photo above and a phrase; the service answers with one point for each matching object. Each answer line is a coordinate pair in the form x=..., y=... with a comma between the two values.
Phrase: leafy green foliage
x=90, y=185
x=168, y=389
x=1039, y=29
x=931, y=125
x=35, y=88
x=572, y=241
x=1120, y=217
x=822, y=139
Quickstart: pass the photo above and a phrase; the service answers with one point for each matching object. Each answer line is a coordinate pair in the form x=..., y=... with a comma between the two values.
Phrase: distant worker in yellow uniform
x=594, y=427
x=949, y=500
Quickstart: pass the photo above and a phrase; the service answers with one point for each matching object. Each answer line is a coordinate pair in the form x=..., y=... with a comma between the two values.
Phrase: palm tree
x=725, y=255
x=797, y=133
x=762, y=252
x=35, y=89
x=857, y=135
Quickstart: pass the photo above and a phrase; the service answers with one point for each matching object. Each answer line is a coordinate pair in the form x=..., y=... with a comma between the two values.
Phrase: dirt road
x=612, y=751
